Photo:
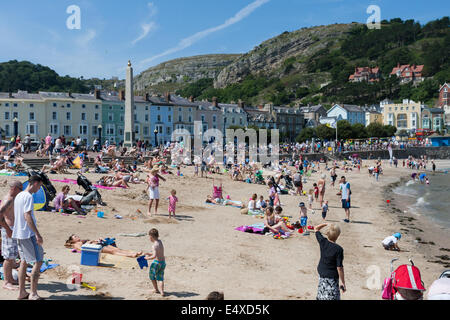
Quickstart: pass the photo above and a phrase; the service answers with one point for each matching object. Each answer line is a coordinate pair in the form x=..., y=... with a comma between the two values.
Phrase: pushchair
x=405, y=283
x=91, y=193
x=49, y=189
x=288, y=181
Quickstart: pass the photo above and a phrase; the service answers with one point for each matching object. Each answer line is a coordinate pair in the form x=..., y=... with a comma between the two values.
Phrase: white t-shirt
x=345, y=189
x=258, y=204
x=389, y=239
x=23, y=203
x=251, y=205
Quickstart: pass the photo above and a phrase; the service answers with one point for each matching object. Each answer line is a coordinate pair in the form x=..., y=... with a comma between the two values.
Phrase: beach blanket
x=255, y=213
x=71, y=181
x=256, y=228
x=223, y=205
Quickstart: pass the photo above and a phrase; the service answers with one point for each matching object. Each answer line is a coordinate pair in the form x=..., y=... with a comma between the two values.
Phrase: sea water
x=431, y=200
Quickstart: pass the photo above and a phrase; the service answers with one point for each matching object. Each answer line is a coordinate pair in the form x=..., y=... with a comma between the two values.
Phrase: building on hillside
x=408, y=73
x=404, y=116
x=113, y=114
x=365, y=74
x=374, y=117
x=289, y=120
x=383, y=103
x=433, y=119
x=261, y=117
x=161, y=120
x=352, y=113
x=444, y=102
x=312, y=114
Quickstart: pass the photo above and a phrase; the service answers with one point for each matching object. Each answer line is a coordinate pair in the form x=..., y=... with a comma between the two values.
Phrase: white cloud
x=146, y=28
x=189, y=41
x=84, y=40
x=153, y=9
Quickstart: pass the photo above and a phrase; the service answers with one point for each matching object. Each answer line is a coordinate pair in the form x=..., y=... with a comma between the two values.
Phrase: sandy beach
x=204, y=253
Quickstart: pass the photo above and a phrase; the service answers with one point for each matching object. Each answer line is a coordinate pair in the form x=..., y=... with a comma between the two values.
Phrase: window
x=135, y=117
x=6, y=104
x=168, y=129
x=96, y=106
x=68, y=116
x=402, y=120
x=110, y=107
x=68, y=105
x=15, y=105
x=158, y=118
x=15, y=115
x=158, y=108
x=190, y=118
x=83, y=129
x=67, y=130
x=136, y=129
x=31, y=116
x=240, y=121
x=31, y=105
x=146, y=118
x=54, y=129
x=203, y=118
x=146, y=108
x=6, y=115
x=94, y=130
x=169, y=118
x=54, y=116
x=31, y=128
x=145, y=131
x=232, y=121
x=179, y=109
x=121, y=131
x=190, y=109
x=110, y=116
x=6, y=129
x=121, y=117
x=180, y=119
x=214, y=118
x=110, y=129
x=54, y=105
x=96, y=117
x=83, y=106
x=83, y=116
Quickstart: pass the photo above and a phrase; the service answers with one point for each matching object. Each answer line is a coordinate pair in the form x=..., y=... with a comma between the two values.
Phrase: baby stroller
x=288, y=181
x=405, y=283
x=49, y=189
x=91, y=193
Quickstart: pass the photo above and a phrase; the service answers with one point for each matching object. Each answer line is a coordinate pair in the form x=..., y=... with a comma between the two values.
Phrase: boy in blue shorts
x=304, y=218
x=158, y=265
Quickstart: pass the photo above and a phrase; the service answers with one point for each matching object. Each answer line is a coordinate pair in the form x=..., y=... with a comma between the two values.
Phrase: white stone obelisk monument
x=128, y=139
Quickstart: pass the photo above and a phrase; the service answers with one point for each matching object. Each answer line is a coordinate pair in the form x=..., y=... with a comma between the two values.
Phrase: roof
x=414, y=68
x=444, y=85
x=350, y=107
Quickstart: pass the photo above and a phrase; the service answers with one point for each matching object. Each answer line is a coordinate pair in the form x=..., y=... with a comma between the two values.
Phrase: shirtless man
x=58, y=166
x=9, y=246
x=159, y=262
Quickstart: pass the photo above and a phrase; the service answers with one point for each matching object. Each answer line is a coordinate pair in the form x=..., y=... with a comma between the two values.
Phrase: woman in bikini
x=75, y=242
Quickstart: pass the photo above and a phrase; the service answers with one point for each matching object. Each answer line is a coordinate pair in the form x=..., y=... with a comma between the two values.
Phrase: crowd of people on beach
x=22, y=243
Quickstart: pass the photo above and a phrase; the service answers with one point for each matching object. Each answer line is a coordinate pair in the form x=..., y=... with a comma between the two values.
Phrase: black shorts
x=297, y=183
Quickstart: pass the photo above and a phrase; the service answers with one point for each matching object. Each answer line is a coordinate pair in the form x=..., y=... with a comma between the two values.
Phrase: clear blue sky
x=153, y=31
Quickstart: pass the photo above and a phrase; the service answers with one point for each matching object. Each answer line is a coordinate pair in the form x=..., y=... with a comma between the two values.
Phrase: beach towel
x=234, y=206
x=256, y=228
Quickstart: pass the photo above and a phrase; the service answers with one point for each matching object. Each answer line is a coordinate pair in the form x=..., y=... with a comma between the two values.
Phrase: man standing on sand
x=29, y=240
x=345, y=193
x=9, y=245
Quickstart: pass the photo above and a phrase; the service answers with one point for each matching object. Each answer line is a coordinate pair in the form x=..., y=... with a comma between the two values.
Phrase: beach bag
x=387, y=289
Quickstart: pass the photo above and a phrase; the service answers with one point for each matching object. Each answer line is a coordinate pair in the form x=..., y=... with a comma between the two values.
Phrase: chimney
x=214, y=102
x=121, y=95
x=167, y=96
x=97, y=94
x=398, y=64
x=240, y=103
x=146, y=97
x=191, y=99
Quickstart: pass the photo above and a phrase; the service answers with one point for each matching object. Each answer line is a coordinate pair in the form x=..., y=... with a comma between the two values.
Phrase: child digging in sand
x=172, y=203
x=158, y=265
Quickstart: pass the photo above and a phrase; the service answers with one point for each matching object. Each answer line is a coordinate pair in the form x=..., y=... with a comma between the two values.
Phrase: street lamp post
x=16, y=127
x=100, y=135
x=156, y=136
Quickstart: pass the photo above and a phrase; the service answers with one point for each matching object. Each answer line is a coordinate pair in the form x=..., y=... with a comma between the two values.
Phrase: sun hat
x=397, y=235
x=301, y=204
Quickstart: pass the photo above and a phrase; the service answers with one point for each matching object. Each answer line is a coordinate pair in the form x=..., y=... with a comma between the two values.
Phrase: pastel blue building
x=351, y=113
x=161, y=119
